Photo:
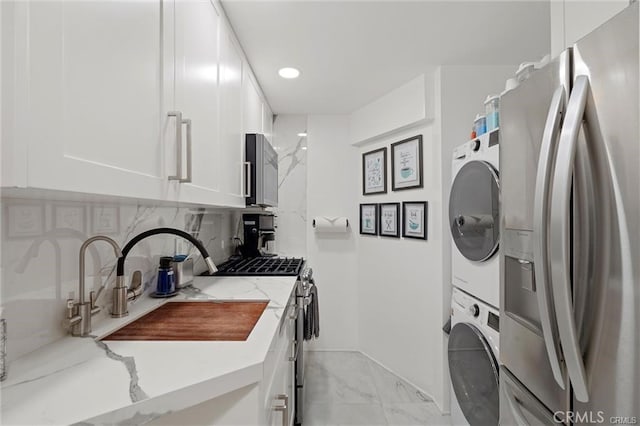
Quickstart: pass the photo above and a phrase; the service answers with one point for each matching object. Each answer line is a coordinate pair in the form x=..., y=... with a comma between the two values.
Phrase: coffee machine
x=259, y=230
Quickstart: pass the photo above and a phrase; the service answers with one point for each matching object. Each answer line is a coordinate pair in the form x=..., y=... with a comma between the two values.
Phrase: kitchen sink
x=195, y=321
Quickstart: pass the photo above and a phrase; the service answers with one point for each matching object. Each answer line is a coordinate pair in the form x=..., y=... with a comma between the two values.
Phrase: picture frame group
x=389, y=220
x=406, y=167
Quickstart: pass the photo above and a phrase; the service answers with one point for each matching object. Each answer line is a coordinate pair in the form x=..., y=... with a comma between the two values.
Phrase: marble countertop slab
x=86, y=381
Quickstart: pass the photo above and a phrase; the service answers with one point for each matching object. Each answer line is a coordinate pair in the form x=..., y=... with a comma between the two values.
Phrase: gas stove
x=261, y=266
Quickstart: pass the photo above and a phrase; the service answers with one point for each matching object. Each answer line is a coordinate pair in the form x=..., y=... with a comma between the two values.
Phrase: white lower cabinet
x=269, y=402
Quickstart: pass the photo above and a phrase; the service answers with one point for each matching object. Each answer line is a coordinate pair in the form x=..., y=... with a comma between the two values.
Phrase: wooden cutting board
x=229, y=321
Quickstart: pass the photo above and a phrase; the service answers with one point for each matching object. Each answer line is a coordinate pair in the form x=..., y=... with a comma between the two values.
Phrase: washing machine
x=474, y=218
x=473, y=354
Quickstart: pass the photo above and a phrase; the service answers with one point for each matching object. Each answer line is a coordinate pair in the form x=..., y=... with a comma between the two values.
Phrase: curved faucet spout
x=83, y=249
x=203, y=251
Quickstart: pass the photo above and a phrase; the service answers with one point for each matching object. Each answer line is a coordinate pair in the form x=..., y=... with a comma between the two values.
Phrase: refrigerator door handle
x=541, y=233
x=560, y=237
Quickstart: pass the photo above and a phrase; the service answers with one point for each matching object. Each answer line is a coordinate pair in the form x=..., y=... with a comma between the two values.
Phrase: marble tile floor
x=347, y=388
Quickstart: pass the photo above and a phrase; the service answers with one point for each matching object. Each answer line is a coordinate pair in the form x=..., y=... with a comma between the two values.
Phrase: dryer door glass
x=474, y=375
x=474, y=209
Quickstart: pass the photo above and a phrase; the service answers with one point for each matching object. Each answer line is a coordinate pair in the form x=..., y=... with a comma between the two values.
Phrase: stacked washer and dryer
x=474, y=220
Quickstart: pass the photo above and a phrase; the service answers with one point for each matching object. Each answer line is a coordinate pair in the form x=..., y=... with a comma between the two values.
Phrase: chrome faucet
x=121, y=294
x=79, y=313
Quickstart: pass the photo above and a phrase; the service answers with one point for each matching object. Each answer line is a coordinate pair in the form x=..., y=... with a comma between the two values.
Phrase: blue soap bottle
x=166, y=280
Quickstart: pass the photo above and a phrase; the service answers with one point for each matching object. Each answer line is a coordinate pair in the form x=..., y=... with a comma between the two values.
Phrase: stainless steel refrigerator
x=570, y=225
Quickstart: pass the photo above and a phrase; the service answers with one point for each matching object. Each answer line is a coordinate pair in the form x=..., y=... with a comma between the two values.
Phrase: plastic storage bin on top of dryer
x=492, y=112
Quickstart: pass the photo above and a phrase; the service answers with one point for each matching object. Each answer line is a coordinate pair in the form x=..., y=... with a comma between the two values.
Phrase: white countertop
x=83, y=380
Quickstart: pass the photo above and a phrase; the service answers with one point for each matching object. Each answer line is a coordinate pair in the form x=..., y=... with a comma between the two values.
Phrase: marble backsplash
x=291, y=212
x=40, y=251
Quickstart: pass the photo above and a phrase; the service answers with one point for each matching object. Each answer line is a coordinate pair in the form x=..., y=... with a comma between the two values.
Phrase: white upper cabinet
x=267, y=121
x=251, y=106
x=572, y=19
x=141, y=99
x=231, y=135
x=86, y=101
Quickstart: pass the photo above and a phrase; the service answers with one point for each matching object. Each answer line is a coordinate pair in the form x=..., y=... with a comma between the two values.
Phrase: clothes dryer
x=474, y=218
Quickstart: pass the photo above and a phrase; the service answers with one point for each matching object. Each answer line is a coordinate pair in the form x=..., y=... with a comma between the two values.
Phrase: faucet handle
x=92, y=299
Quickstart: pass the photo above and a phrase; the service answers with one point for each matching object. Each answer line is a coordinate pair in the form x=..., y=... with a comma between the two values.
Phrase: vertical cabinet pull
x=283, y=408
x=179, y=122
x=189, y=152
x=247, y=177
x=178, y=116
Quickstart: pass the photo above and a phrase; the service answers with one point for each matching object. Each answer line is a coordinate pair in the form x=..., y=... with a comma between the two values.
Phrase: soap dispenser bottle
x=166, y=280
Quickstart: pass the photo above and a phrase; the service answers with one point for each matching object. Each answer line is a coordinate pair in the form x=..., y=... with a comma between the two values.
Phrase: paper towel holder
x=314, y=223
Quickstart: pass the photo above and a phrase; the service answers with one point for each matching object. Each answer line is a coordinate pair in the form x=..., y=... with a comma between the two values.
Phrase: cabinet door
x=196, y=95
x=90, y=74
x=267, y=121
x=251, y=106
x=572, y=20
x=231, y=135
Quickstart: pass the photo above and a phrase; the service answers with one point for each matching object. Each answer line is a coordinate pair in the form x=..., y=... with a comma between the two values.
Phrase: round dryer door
x=474, y=210
x=474, y=375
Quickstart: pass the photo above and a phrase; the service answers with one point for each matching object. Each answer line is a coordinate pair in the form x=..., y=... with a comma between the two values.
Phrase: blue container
x=480, y=125
x=492, y=108
x=166, y=280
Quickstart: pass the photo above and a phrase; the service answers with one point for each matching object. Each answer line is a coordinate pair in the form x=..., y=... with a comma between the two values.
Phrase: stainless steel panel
x=523, y=114
x=520, y=297
x=523, y=352
x=609, y=57
x=518, y=243
x=518, y=406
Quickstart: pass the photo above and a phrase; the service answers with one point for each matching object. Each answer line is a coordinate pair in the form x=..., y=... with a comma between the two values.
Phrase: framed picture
x=414, y=219
x=406, y=164
x=390, y=220
x=374, y=172
x=369, y=219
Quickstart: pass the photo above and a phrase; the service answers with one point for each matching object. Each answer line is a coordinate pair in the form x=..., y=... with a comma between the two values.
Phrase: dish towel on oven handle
x=312, y=314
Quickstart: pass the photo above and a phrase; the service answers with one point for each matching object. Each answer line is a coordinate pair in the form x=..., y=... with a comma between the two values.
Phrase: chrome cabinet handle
x=294, y=358
x=284, y=408
x=178, y=116
x=541, y=233
x=247, y=176
x=187, y=121
x=560, y=237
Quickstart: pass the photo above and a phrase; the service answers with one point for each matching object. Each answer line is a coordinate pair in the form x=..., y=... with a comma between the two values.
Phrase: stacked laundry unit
x=474, y=220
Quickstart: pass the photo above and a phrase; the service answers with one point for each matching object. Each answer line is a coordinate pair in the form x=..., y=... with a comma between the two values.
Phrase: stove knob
x=474, y=310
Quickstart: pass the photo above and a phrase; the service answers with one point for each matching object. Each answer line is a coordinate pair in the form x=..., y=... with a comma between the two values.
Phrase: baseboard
x=406, y=380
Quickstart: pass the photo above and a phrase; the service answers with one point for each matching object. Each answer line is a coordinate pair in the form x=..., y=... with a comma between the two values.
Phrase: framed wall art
x=406, y=164
x=374, y=172
x=414, y=219
x=389, y=219
x=369, y=219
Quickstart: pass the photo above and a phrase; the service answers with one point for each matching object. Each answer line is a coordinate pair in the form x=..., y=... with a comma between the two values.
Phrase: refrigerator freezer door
x=610, y=340
x=523, y=348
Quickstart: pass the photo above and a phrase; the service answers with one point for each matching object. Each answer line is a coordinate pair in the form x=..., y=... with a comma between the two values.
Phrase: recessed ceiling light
x=302, y=134
x=289, y=72
x=304, y=148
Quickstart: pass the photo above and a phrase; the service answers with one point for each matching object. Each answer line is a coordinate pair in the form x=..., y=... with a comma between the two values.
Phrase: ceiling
x=352, y=52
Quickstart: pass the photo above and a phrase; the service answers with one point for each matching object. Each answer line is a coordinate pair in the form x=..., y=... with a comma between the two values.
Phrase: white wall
x=400, y=281
x=40, y=244
x=573, y=19
x=291, y=236
x=332, y=173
